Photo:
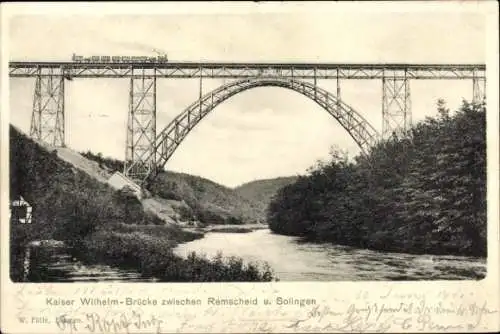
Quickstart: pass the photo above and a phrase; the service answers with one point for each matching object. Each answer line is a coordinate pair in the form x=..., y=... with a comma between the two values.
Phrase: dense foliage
x=422, y=192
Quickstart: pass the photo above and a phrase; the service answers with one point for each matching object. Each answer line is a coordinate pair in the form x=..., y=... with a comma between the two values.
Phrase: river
x=292, y=260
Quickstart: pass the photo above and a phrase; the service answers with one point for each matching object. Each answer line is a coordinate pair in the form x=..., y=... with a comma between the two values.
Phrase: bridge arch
x=167, y=141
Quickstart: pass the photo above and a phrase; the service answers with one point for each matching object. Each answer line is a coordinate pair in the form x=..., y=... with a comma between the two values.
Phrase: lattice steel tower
x=47, y=119
x=396, y=105
x=141, y=128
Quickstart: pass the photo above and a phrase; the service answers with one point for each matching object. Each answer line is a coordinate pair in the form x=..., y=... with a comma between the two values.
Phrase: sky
x=264, y=132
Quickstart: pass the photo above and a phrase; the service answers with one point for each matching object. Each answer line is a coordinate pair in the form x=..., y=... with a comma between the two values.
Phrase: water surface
x=298, y=261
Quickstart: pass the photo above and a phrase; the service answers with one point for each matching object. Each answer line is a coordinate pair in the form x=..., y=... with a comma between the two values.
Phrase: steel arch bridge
x=363, y=133
x=147, y=152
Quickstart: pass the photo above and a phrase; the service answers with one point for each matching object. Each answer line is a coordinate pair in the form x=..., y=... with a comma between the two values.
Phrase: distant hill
x=260, y=192
x=210, y=202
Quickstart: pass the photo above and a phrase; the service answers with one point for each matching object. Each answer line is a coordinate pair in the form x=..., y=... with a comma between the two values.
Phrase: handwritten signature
x=380, y=319
x=121, y=323
x=352, y=323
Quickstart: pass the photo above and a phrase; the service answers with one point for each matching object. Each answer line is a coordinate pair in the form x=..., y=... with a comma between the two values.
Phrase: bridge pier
x=141, y=127
x=47, y=119
x=478, y=88
x=396, y=105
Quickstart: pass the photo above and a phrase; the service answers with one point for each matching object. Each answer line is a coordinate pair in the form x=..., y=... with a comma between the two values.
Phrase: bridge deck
x=248, y=70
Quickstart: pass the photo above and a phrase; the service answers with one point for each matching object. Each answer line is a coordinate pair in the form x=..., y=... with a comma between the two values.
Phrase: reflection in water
x=55, y=264
x=294, y=261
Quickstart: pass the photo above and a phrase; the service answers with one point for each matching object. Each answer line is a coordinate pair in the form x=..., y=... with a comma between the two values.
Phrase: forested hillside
x=100, y=224
x=208, y=202
x=60, y=193
x=260, y=192
x=211, y=203
x=67, y=203
x=424, y=192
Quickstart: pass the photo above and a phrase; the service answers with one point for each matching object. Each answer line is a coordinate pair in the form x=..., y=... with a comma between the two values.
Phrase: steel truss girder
x=141, y=129
x=47, y=119
x=396, y=106
x=167, y=141
x=251, y=70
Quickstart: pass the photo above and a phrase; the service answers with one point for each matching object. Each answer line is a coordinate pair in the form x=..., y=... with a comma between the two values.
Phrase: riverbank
x=228, y=228
x=138, y=253
x=429, y=247
x=135, y=252
x=149, y=250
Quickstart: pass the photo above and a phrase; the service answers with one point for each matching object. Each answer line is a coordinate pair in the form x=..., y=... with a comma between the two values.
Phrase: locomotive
x=120, y=59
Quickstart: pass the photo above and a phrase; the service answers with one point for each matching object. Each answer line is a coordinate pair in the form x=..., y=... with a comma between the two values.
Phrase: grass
x=173, y=233
x=230, y=229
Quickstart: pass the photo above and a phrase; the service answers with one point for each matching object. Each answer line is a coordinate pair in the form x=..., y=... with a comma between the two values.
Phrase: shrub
x=152, y=256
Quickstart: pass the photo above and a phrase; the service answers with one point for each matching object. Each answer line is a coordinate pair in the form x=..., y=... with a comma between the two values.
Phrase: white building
x=20, y=211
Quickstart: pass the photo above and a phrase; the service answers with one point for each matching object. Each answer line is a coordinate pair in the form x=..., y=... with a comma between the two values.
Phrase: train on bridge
x=159, y=59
